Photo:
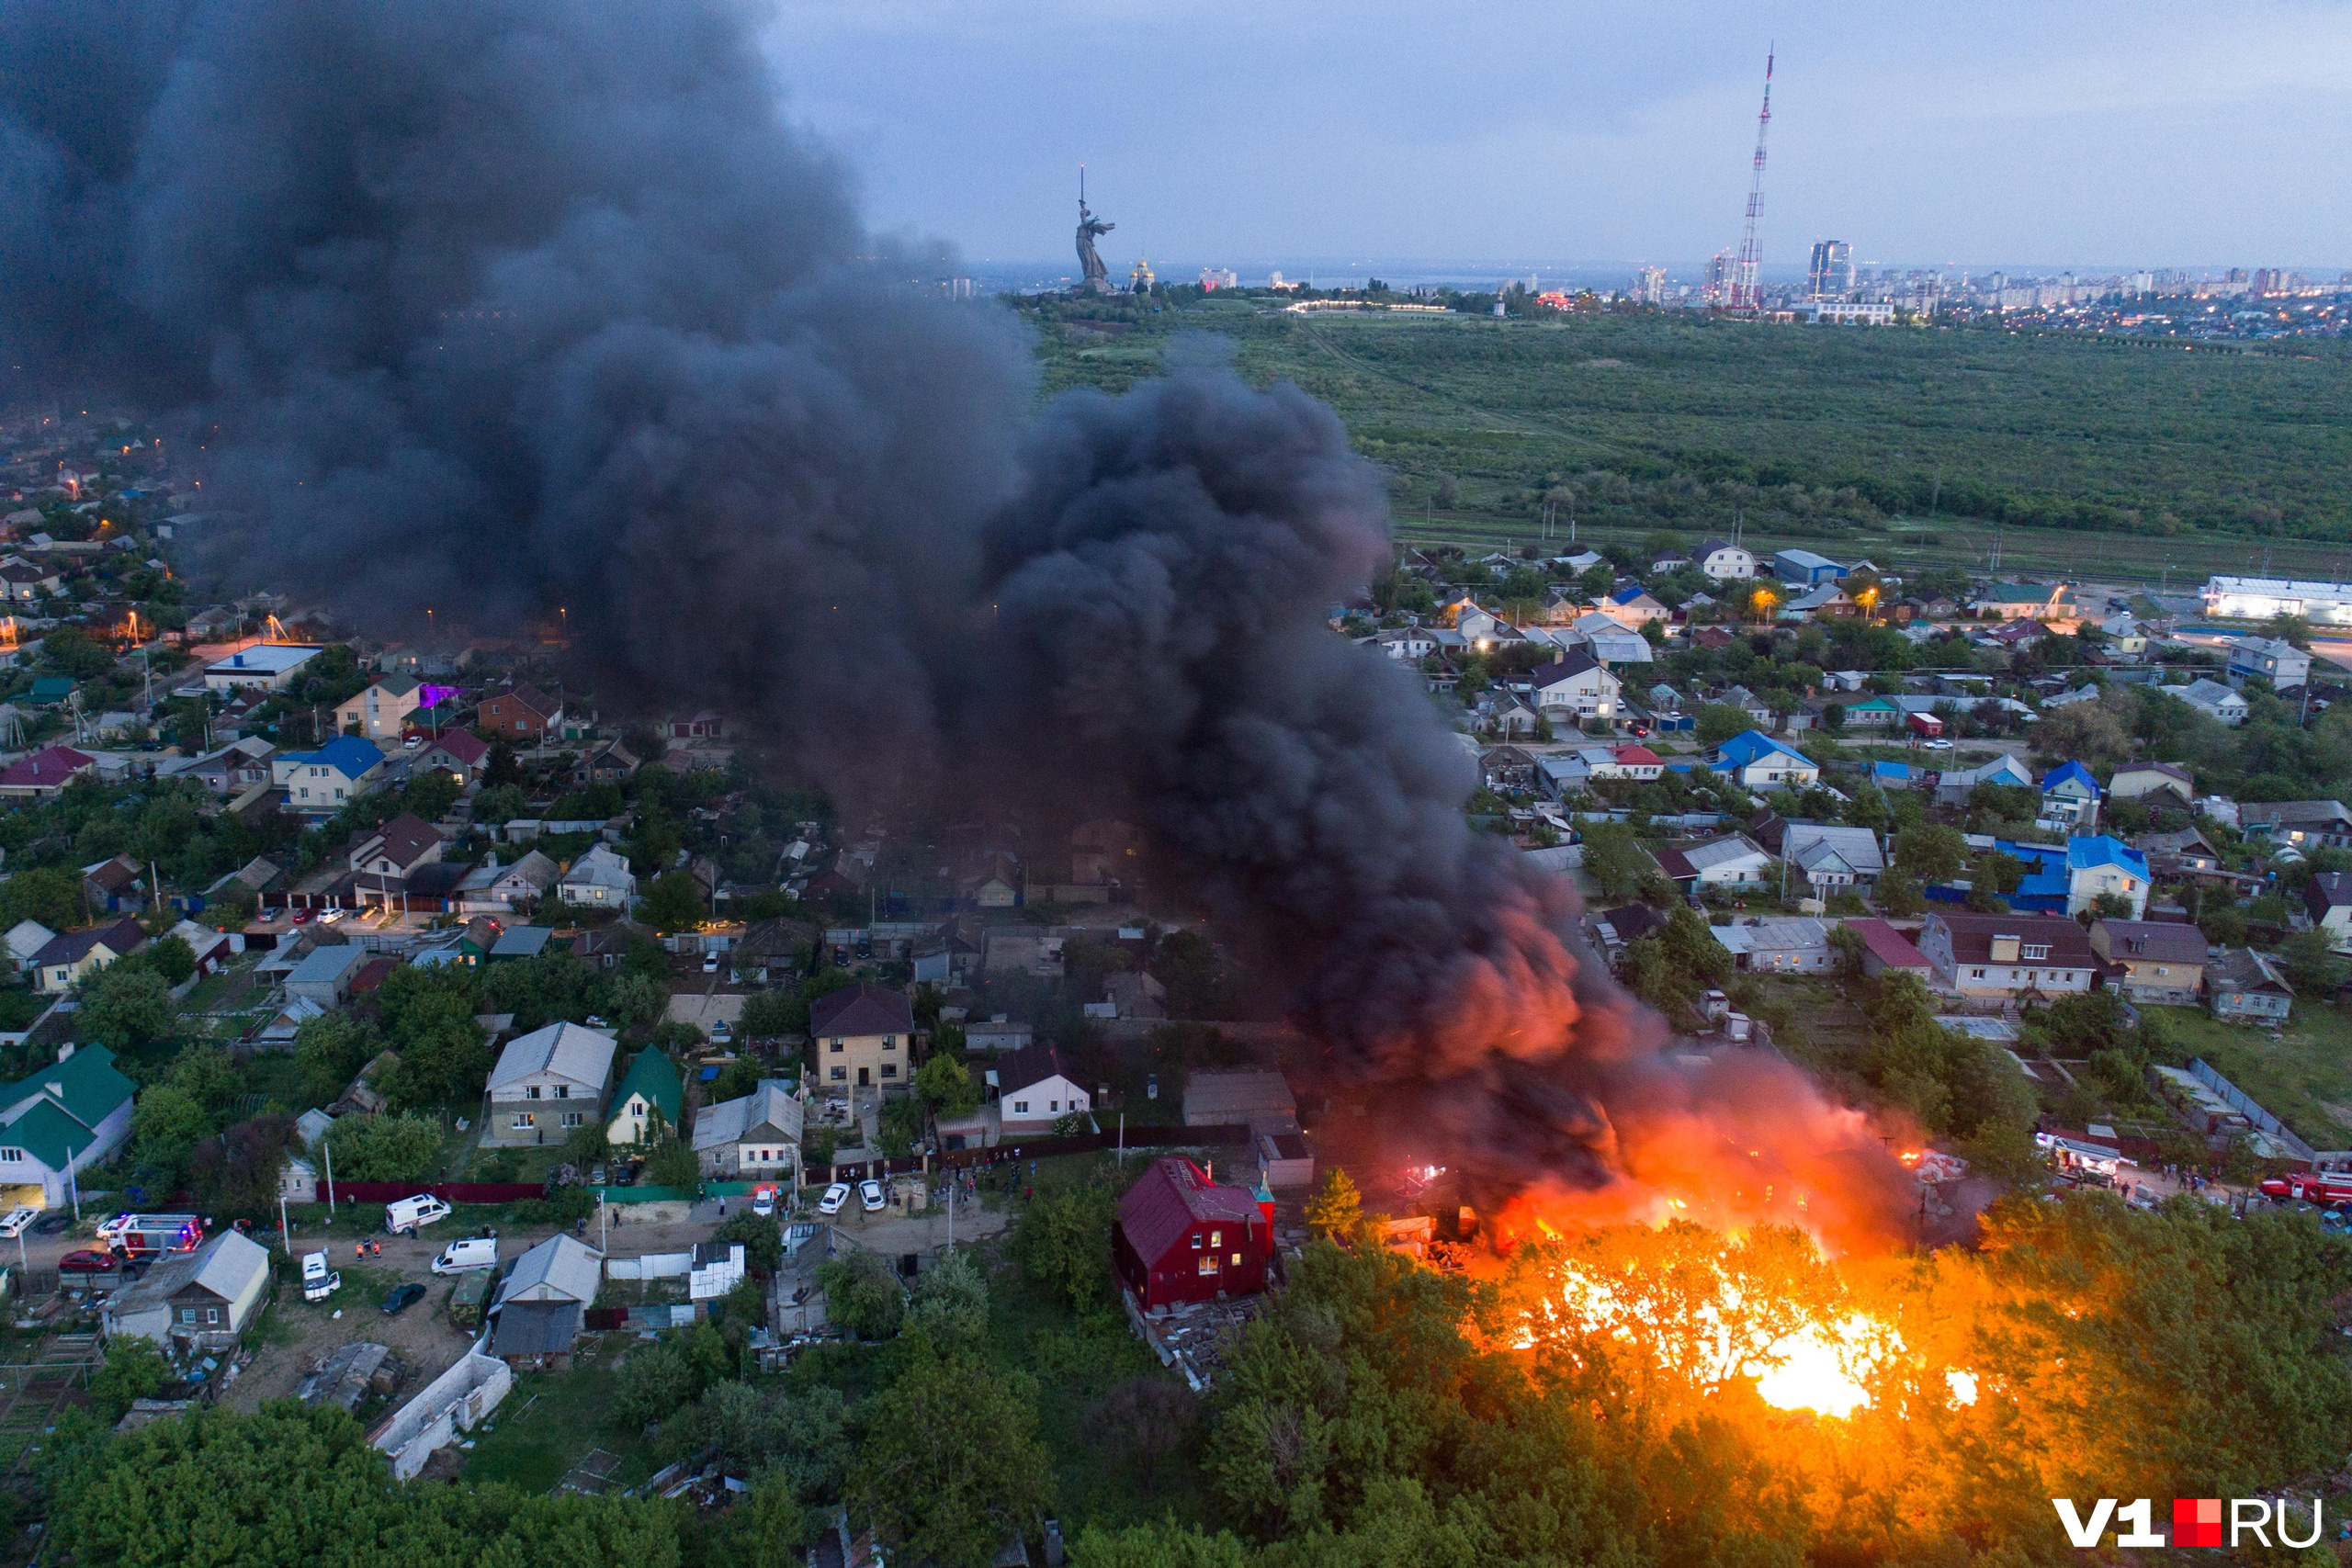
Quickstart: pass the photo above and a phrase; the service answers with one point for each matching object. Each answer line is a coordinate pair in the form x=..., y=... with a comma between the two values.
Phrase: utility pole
x=327, y=1143
x=285, y=1229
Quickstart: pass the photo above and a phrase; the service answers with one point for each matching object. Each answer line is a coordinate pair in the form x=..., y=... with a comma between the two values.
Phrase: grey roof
x=558, y=1269
x=535, y=1328
x=522, y=942
x=568, y=1050
x=1803, y=934
x=2166, y=942
x=325, y=965
x=1858, y=847
x=770, y=1105
x=1701, y=856
x=312, y=1125
x=230, y=1264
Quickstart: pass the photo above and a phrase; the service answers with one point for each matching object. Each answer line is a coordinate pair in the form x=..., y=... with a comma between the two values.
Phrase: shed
x=1262, y=1100
x=1284, y=1161
x=325, y=977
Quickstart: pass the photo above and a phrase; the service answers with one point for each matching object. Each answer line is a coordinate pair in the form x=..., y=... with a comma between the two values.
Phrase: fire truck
x=149, y=1235
x=2321, y=1186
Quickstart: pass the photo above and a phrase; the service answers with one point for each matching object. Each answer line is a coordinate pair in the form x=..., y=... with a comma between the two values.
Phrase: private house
x=547, y=1083
x=1633, y=607
x=25, y=583
x=194, y=1302
x=1756, y=762
x=1181, y=1238
x=2103, y=865
x=523, y=712
x=324, y=977
x=2277, y=661
x=2212, y=699
x=607, y=761
x=1035, y=1091
x=1798, y=946
x=2070, y=795
x=1824, y=601
x=541, y=1305
x=1873, y=712
x=2138, y=780
x=318, y=783
x=380, y=713
x=1952, y=788
x=2327, y=898
x=384, y=859
x=649, y=1096
x=1726, y=562
x=25, y=939
x=2245, y=987
x=997, y=1035
x=702, y=725
x=64, y=961
x=268, y=667
x=59, y=1120
x=1628, y=761
x=1734, y=861
x=864, y=1036
x=2186, y=854
x=234, y=768
x=1572, y=688
x=1885, y=948
x=2025, y=602
x=114, y=885
x=1666, y=561
x=1830, y=858
x=460, y=753
x=490, y=888
x=2012, y=955
x=752, y=1139
x=599, y=879
x=2152, y=961
x=2299, y=824
x=45, y=773
x=1805, y=569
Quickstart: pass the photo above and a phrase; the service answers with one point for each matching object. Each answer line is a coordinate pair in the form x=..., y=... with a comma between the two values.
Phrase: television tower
x=1746, y=293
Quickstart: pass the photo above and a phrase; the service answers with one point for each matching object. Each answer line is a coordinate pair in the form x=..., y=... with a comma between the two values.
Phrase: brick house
x=525, y=713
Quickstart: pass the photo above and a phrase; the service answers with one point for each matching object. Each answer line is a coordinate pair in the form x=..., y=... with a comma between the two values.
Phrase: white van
x=318, y=1284
x=474, y=1252
x=406, y=1215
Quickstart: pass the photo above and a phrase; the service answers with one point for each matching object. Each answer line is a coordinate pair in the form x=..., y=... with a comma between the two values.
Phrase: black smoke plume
x=493, y=308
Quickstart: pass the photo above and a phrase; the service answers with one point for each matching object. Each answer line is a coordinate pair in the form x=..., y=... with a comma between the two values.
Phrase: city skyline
x=2048, y=135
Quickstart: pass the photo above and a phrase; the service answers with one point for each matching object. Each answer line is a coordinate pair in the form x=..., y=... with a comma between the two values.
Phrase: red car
x=86, y=1262
x=301, y=916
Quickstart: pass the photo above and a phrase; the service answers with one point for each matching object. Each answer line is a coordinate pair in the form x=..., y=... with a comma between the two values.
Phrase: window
x=837, y=1048
x=2037, y=951
x=1021, y=1107
x=575, y=1118
x=1208, y=1262
x=212, y=1315
x=890, y=1042
x=839, y=1074
x=1053, y=1105
x=889, y=1069
x=1196, y=1241
x=522, y=1119
x=187, y=1316
x=532, y=1093
x=12, y=1156
x=563, y=1092
x=1976, y=973
x=1216, y=1238
x=1237, y=1261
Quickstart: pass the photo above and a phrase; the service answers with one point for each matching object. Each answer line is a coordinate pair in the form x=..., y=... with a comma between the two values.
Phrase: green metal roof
x=63, y=1104
x=654, y=1076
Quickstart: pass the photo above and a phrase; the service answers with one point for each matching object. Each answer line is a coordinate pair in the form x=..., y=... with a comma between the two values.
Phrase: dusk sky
x=2036, y=134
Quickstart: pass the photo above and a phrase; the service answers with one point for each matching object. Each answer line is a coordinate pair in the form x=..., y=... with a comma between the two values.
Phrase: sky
x=2001, y=133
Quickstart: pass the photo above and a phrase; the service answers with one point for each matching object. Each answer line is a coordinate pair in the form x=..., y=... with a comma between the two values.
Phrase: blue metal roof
x=1749, y=744
x=2069, y=771
x=349, y=755
x=2082, y=854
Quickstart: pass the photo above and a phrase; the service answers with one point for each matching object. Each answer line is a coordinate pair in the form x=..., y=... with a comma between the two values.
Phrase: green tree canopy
x=949, y=1466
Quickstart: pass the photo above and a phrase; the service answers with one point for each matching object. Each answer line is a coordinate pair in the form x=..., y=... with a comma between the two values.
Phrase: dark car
x=402, y=1299
x=87, y=1261
x=50, y=1224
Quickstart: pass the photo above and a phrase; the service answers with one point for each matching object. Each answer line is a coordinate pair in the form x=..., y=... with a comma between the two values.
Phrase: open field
x=2132, y=456
x=2304, y=1076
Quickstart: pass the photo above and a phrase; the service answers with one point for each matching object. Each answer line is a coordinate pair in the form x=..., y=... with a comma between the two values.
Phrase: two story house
x=2007, y=956
x=2152, y=961
x=460, y=753
x=649, y=1096
x=1726, y=562
x=549, y=1082
x=2070, y=795
x=59, y=1120
x=523, y=712
x=754, y=1138
x=384, y=859
x=1572, y=688
x=864, y=1037
x=320, y=783
x=381, y=712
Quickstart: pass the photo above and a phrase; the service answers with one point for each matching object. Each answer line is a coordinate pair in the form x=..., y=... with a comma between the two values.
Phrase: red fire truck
x=2322, y=1187
x=149, y=1235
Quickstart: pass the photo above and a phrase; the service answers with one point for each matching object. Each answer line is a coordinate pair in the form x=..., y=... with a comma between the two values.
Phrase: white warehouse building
x=2260, y=598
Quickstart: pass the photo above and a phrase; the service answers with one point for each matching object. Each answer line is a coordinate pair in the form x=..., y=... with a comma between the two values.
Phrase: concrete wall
x=652, y=1266
x=451, y=1403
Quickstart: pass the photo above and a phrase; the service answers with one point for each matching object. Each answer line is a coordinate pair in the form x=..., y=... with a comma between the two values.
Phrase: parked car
x=835, y=1196
x=710, y=964
x=1938, y=745
x=86, y=1261
x=301, y=917
x=869, y=1192
x=319, y=1282
x=14, y=1225
x=597, y=1176
x=403, y=1297
x=763, y=1199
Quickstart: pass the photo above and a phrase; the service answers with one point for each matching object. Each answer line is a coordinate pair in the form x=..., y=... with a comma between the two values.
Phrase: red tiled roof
x=1638, y=757
x=1168, y=1199
x=861, y=1010
x=48, y=768
x=1888, y=945
x=464, y=745
x=371, y=975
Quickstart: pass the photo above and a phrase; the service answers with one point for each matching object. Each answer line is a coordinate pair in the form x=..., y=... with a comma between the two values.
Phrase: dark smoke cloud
x=495, y=306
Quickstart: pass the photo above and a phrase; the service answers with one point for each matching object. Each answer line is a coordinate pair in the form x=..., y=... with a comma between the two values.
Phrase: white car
x=14, y=1225
x=869, y=1192
x=332, y=916
x=835, y=1196
x=710, y=964
x=763, y=1199
x=1937, y=745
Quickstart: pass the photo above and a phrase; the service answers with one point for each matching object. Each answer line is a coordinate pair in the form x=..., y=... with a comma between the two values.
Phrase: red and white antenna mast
x=1746, y=293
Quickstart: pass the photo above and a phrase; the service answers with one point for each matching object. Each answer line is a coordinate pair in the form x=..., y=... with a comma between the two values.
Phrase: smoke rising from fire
x=496, y=306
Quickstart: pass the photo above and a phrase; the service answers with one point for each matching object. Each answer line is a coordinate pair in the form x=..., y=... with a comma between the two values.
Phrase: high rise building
x=1649, y=285
x=1722, y=270
x=1831, y=275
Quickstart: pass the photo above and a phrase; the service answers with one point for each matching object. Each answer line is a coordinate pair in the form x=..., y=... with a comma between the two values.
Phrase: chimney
x=2004, y=950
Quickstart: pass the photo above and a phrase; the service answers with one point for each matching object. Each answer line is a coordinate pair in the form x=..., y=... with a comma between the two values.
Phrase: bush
x=762, y=1242
x=134, y=1370
x=1064, y=1242
x=651, y=1383
x=951, y=1304
x=384, y=1148
x=862, y=1295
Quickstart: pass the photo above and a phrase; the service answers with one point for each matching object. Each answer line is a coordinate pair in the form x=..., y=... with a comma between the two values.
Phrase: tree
x=2083, y=732
x=1718, y=722
x=589, y=1144
x=862, y=1294
x=237, y=1173
x=166, y=1123
x=1614, y=859
x=1933, y=853
x=672, y=1164
x=2311, y=963
x=762, y=1242
x=2110, y=907
x=126, y=1008
x=767, y=1016
x=445, y=1058
x=384, y=1148
x=1064, y=1242
x=674, y=903
x=170, y=958
x=950, y=1465
x=945, y=1086
x=1336, y=1210
x=950, y=1306
x=651, y=1382
x=42, y=893
x=329, y=1049
x=1899, y=895
x=1142, y=1422
x=134, y=1370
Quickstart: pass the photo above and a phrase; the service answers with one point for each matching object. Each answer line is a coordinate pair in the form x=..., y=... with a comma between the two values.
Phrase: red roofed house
x=1182, y=1238
x=1638, y=763
x=1885, y=948
x=45, y=773
x=524, y=712
x=457, y=753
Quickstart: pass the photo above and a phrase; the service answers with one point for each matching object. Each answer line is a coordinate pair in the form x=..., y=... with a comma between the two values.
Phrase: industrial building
x=2260, y=598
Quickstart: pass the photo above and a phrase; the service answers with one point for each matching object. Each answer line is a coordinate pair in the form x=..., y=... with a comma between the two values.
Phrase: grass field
x=551, y=1419
x=2226, y=452
x=2303, y=1075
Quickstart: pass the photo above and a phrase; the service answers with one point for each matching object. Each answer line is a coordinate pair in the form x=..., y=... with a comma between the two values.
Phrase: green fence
x=645, y=1194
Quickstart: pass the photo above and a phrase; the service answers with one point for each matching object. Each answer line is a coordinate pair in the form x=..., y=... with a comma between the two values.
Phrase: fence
x=2203, y=1072
x=1224, y=1136
x=652, y=1266
x=447, y=1192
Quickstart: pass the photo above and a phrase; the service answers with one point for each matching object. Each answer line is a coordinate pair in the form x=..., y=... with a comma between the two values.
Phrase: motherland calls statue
x=1089, y=226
